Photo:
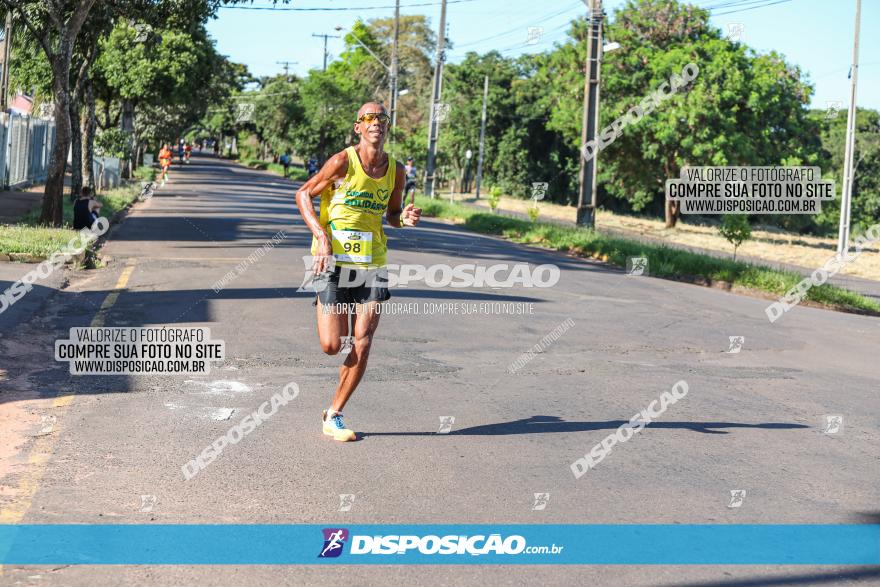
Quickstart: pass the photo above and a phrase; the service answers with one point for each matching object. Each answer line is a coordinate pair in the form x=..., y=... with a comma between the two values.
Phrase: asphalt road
x=751, y=421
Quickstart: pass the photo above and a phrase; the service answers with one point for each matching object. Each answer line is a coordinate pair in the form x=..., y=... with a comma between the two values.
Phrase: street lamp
x=370, y=51
x=392, y=74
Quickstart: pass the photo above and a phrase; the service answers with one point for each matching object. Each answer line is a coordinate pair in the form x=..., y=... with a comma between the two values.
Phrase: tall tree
x=742, y=109
x=330, y=99
x=55, y=26
x=277, y=109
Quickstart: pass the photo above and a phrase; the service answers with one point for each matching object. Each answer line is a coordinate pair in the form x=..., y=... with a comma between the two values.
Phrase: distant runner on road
x=285, y=163
x=357, y=187
x=165, y=157
x=312, y=166
x=410, y=189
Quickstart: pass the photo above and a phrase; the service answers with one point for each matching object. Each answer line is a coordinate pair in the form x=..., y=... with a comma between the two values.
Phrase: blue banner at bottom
x=648, y=544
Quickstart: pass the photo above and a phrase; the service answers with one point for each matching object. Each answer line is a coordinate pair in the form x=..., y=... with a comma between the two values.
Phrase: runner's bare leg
x=332, y=326
x=352, y=370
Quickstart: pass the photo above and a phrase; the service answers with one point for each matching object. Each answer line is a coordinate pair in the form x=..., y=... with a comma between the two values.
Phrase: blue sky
x=814, y=34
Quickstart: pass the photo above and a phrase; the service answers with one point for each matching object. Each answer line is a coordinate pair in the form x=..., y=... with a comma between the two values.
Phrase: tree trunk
x=53, y=195
x=89, y=125
x=62, y=30
x=127, y=126
x=75, y=149
x=133, y=153
x=671, y=208
x=672, y=211
x=107, y=121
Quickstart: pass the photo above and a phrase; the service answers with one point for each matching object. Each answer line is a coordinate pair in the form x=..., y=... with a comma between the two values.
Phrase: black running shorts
x=350, y=285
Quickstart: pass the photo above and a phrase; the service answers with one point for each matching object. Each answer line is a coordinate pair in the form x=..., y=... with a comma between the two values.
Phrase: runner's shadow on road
x=548, y=424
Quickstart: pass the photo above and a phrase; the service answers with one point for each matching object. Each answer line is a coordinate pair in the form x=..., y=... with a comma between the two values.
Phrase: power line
x=735, y=5
x=743, y=4
x=519, y=28
x=750, y=8
x=341, y=8
x=550, y=36
x=732, y=4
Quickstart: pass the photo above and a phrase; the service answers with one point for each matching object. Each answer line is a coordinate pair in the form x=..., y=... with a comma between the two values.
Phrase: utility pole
x=325, y=45
x=586, y=213
x=849, y=152
x=482, y=135
x=435, y=102
x=394, y=65
x=7, y=47
x=286, y=65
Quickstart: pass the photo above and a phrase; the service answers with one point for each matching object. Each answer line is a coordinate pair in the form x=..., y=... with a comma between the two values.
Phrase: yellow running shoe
x=335, y=427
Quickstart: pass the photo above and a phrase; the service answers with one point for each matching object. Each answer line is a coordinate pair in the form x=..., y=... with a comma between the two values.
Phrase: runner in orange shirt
x=165, y=157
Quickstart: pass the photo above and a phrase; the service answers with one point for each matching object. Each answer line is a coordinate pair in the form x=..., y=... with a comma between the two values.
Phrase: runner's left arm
x=397, y=215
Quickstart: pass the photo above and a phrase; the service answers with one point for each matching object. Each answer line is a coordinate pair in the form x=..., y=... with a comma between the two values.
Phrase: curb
x=115, y=220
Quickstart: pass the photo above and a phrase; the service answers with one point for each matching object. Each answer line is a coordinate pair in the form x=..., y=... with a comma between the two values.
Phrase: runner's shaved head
x=375, y=107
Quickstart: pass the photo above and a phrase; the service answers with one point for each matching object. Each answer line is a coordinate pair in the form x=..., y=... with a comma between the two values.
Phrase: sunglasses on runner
x=370, y=117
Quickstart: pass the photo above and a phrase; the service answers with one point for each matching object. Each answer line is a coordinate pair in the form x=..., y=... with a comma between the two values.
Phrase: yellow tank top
x=351, y=214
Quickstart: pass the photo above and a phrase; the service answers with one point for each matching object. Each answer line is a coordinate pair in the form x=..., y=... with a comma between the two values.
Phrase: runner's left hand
x=410, y=215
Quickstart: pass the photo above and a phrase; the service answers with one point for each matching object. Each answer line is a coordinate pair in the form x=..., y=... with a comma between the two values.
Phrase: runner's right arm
x=335, y=168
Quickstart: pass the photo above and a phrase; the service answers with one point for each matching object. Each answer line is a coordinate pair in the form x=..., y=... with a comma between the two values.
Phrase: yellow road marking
x=99, y=318
x=44, y=445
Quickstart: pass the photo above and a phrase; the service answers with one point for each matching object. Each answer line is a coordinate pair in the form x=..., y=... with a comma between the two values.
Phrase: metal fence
x=25, y=148
x=106, y=171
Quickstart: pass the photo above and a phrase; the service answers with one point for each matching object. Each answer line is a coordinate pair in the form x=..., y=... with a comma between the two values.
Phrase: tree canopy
x=154, y=62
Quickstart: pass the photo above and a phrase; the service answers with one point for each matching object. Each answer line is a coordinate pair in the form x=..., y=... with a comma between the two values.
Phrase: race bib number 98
x=353, y=246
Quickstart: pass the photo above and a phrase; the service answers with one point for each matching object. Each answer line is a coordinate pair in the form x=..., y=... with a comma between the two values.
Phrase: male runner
x=357, y=187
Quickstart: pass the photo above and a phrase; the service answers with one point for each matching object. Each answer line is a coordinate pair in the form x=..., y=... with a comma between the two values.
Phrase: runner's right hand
x=323, y=257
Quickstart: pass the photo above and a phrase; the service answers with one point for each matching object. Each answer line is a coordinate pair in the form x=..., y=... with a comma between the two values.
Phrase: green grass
x=29, y=238
x=32, y=240
x=295, y=173
x=146, y=173
x=443, y=209
x=663, y=261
